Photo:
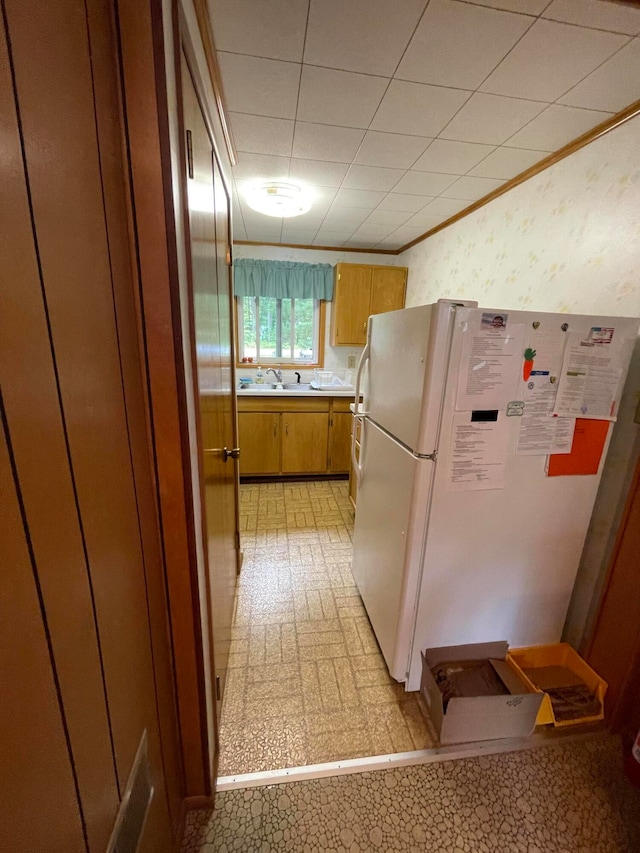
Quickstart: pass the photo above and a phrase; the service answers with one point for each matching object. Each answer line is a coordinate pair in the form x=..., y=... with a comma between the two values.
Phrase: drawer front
x=283, y=404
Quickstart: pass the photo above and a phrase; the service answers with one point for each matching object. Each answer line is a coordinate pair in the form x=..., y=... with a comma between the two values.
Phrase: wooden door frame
x=156, y=267
x=150, y=38
x=623, y=713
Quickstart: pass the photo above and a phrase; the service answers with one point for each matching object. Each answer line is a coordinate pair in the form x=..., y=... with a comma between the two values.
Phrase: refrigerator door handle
x=364, y=358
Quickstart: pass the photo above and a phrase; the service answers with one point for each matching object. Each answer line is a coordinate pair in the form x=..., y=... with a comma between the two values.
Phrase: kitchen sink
x=273, y=386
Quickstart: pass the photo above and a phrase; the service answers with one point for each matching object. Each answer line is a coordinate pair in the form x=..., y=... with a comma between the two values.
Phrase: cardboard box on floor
x=474, y=718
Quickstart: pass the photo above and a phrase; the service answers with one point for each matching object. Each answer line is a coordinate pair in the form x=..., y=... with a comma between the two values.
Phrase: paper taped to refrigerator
x=591, y=373
x=490, y=365
x=478, y=453
x=540, y=432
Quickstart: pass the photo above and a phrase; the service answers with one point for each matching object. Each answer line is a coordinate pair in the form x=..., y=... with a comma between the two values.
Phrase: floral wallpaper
x=566, y=240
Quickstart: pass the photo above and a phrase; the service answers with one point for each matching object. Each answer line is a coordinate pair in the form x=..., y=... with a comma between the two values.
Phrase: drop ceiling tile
x=321, y=201
x=330, y=240
x=390, y=242
x=317, y=172
x=417, y=109
x=472, y=189
x=455, y=158
x=390, y=149
x=525, y=7
x=263, y=234
x=361, y=35
x=424, y=183
x=443, y=208
x=550, y=59
x=405, y=234
x=262, y=135
x=404, y=202
x=252, y=167
x=303, y=237
x=360, y=243
x=594, y=13
x=506, y=162
x=372, y=178
x=342, y=98
x=555, y=127
x=388, y=217
x=335, y=235
x=239, y=231
x=264, y=87
x=490, y=119
x=340, y=216
x=611, y=87
x=336, y=231
x=359, y=198
x=425, y=219
x=254, y=220
x=325, y=142
x=372, y=232
x=274, y=29
x=457, y=44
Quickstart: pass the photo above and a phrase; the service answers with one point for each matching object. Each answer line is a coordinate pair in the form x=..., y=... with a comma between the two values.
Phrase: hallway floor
x=564, y=798
x=307, y=682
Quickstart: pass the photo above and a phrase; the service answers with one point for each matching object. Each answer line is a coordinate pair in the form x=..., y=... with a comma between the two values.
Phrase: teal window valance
x=282, y=279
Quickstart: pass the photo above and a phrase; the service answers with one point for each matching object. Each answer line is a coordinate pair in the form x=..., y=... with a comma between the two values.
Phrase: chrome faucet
x=276, y=373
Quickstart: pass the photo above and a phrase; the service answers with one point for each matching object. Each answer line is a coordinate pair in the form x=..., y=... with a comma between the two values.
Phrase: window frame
x=273, y=362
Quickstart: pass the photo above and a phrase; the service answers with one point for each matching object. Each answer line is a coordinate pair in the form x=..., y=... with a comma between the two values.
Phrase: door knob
x=234, y=454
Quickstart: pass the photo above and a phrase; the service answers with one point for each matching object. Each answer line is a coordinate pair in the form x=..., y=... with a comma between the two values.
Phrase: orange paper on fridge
x=589, y=439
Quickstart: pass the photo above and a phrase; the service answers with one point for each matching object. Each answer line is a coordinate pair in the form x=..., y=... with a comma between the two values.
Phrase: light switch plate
x=351, y=361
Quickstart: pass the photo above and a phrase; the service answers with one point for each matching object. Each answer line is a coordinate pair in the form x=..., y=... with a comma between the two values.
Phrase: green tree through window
x=279, y=330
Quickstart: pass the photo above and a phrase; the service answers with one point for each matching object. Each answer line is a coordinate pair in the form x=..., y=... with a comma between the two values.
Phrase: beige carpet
x=569, y=798
x=307, y=682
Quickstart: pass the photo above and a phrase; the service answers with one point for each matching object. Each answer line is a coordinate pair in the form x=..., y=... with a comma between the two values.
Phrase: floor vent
x=134, y=807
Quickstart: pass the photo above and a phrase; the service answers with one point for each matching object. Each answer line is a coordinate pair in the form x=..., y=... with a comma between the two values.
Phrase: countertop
x=263, y=391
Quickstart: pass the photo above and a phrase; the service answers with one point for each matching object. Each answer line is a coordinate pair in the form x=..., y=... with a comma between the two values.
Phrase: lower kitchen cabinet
x=293, y=435
x=260, y=442
x=304, y=442
x=340, y=442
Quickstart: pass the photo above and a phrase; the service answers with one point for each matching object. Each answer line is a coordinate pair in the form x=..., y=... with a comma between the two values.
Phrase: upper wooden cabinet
x=361, y=290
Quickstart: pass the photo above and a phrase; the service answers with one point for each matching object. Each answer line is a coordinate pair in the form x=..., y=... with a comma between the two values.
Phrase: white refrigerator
x=461, y=534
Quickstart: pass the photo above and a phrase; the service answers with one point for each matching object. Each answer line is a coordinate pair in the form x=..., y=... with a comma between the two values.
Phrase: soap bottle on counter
x=259, y=377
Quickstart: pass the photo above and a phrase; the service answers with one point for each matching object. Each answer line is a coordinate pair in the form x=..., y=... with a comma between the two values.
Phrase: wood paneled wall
x=85, y=648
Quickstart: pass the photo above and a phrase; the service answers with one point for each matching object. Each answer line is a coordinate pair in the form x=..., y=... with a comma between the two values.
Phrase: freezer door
x=408, y=354
x=382, y=542
x=398, y=344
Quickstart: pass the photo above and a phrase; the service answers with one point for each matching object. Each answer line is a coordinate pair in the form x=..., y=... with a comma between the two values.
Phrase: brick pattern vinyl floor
x=307, y=682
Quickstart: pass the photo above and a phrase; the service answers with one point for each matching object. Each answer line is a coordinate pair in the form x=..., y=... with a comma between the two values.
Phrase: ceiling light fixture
x=279, y=198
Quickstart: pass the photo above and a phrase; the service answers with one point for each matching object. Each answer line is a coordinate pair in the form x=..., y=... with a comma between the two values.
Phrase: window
x=280, y=331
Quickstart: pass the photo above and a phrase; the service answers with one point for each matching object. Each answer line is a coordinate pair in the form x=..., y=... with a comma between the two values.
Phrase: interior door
x=209, y=244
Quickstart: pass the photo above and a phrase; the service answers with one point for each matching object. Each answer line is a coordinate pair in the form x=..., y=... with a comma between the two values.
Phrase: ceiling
x=401, y=113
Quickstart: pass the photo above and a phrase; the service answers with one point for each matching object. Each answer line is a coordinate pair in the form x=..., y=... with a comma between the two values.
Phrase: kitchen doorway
x=307, y=683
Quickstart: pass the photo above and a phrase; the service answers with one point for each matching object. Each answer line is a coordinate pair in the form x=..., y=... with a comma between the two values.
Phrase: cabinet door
x=259, y=442
x=340, y=442
x=304, y=442
x=388, y=286
x=351, y=305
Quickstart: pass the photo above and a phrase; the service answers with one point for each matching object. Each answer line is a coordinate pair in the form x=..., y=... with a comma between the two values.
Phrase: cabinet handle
x=275, y=430
x=286, y=429
x=230, y=454
x=364, y=326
